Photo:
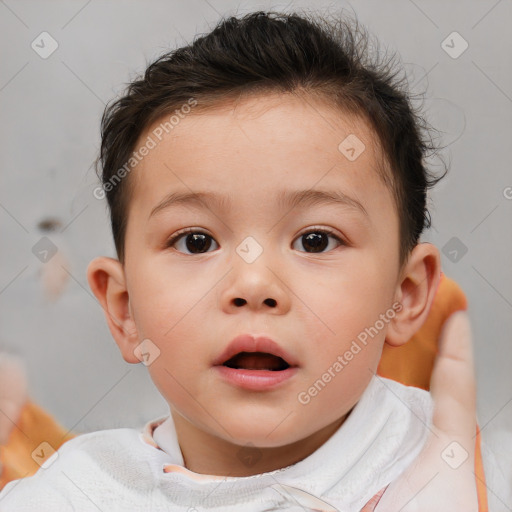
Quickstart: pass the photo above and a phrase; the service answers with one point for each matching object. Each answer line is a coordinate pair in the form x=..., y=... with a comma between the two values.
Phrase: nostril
x=240, y=302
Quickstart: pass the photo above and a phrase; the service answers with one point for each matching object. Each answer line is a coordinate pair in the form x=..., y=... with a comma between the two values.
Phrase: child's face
x=193, y=298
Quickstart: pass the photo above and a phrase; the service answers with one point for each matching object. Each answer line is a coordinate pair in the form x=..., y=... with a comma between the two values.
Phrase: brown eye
x=195, y=242
x=317, y=241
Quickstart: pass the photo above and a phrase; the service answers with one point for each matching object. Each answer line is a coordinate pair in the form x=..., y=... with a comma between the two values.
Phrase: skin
x=430, y=483
x=185, y=303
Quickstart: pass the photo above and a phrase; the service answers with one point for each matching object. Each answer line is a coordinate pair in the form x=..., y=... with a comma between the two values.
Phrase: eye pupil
x=198, y=241
x=317, y=241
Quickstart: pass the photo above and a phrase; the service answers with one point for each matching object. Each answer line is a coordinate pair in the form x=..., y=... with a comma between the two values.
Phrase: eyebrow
x=285, y=199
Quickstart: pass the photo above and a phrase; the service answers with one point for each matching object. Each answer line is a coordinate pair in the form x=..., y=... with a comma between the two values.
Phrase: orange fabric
x=481, y=488
x=34, y=427
x=410, y=364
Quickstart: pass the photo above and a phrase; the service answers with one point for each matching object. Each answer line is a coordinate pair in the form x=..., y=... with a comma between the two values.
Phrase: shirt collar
x=350, y=471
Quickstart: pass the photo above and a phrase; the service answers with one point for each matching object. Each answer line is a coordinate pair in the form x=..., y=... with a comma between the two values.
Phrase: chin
x=263, y=434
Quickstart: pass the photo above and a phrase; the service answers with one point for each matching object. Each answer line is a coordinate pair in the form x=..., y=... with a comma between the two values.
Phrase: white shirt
x=124, y=469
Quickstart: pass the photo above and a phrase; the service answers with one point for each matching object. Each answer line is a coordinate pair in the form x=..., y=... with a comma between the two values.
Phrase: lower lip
x=258, y=380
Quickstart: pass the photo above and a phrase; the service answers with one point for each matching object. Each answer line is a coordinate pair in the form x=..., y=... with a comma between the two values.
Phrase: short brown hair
x=265, y=52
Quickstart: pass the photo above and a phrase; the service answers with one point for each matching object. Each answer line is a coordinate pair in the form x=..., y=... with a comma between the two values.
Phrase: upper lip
x=252, y=343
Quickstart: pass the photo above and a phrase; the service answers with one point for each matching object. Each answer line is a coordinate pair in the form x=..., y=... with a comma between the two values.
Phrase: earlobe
x=107, y=281
x=416, y=290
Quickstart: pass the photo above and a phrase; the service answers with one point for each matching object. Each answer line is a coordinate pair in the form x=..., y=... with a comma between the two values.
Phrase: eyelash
x=177, y=236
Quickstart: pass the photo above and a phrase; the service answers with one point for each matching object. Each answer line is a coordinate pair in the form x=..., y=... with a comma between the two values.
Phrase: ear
x=108, y=283
x=416, y=290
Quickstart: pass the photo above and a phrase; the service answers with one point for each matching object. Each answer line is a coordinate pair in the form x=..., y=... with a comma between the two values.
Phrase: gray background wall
x=50, y=112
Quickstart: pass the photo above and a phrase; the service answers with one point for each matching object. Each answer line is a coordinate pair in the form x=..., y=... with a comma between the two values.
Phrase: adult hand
x=442, y=478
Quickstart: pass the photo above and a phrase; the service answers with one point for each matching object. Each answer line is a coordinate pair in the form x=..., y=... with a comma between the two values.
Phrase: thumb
x=453, y=383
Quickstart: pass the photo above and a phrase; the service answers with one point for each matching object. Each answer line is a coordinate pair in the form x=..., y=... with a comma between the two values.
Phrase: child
x=267, y=192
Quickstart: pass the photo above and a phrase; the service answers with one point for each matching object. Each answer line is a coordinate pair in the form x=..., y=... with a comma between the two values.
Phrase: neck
x=207, y=454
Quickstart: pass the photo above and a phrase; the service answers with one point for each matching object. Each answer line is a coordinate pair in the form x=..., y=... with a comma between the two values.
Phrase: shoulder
x=101, y=439
x=382, y=388
x=96, y=449
x=408, y=409
x=397, y=415
x=89, y=468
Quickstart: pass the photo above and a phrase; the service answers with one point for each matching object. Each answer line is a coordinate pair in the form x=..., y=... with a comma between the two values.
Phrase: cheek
x=163, y=297
x=344, y=303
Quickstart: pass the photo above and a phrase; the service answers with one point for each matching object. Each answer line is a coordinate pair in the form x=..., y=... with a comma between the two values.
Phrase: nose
x=256, y=287
x=241, y=302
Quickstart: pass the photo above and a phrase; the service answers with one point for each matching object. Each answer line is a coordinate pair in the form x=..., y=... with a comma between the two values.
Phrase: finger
x=442, y=477
x=453, y=383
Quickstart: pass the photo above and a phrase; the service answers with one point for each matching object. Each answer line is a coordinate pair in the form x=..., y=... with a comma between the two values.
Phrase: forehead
x=269, y=144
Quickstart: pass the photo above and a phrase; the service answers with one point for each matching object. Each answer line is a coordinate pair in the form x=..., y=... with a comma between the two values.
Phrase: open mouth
x=256, y=361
